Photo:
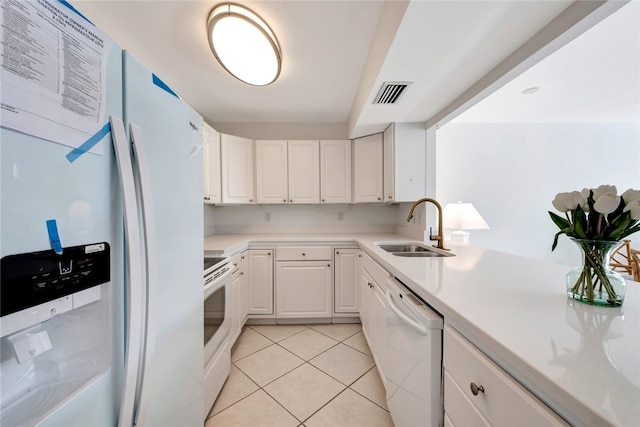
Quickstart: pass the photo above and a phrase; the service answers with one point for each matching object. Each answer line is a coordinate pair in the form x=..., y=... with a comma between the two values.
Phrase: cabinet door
x=236, y=296
x=345, y=290
x=404, y=162
x=379, y=325
x=260, y=281
x=303, y=289
x=243, y=303
x=367, y=169
x=237, y=169
x=271, y=172
x=364, y=283
x=335, y=171
x=388, y=164
x=211, y=151
x=304, y=171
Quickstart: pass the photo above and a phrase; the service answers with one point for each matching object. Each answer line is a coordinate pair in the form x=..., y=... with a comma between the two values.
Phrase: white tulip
x=607, y=203
x=630, y=195
x=569, y=201
x=560, y=202
x=597, y=192
x=634, y=208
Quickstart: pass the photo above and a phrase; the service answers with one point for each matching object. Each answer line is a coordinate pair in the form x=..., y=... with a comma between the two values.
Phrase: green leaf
x=579, y=222
x=555, y=238
x=561, y=222
x=633, y=229
x=618, y=226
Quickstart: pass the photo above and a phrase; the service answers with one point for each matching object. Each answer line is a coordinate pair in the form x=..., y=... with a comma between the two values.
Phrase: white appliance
x=414, y=359
x=217, y=325
x=127, y=350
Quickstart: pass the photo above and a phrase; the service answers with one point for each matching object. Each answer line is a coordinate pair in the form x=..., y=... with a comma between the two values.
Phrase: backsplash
x=354, y=218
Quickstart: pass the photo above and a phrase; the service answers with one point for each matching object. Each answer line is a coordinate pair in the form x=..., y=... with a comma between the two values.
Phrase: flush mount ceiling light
x=244, y=44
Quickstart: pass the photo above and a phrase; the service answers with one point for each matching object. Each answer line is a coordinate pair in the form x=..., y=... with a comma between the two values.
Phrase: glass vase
x=594, y=282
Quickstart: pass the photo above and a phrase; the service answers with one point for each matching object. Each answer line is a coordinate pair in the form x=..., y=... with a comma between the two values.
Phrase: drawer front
x=458, y=409
x=504, y=401
x=377, y=272
x=303, y=253
x=235, y=263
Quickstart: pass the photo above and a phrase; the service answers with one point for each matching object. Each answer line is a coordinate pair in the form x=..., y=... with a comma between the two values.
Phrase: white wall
x=512, y=172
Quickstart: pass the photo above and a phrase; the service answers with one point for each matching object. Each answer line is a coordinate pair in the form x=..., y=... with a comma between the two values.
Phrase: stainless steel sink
x=412, y=250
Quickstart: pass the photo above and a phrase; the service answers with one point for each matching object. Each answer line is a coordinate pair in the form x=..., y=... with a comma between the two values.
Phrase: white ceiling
x=336, y=54
x=594, y=78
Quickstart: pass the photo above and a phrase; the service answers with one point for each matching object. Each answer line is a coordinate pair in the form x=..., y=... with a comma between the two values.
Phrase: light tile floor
x=301, y=375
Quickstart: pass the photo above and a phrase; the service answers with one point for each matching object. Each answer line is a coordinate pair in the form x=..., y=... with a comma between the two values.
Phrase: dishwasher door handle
x=419, y=328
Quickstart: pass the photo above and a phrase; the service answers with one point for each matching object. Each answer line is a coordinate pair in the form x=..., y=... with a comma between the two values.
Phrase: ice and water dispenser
x=55, y=328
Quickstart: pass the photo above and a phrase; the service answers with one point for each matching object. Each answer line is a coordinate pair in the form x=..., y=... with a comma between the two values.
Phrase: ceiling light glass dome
x=244, y=44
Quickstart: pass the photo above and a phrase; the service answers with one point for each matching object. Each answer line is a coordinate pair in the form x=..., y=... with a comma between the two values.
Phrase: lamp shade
x=462, y=216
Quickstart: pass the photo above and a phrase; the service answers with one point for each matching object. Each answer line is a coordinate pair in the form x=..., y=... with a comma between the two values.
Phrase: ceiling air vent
x=390, y=92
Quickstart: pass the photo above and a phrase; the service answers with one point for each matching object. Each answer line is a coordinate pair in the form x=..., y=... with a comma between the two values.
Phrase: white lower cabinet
x=303, y=289
x=345, y=280
x=303, y=282
x=373, y=308
x=238, y=294
x=477, y=392
x=260, y=289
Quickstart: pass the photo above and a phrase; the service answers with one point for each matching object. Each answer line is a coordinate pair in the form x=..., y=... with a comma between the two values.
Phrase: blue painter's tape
x=54, y=238
x=89, y=143
x=66, y=3
x=163, y=85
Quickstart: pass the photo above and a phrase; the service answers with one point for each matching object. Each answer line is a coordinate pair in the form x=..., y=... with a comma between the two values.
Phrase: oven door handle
x=214, y=284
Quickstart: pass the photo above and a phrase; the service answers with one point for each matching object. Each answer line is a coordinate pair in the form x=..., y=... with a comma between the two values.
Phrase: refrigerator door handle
x=141, y=163
x=133, y=263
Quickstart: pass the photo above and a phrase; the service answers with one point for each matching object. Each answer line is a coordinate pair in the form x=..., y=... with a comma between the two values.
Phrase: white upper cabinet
x=367, y=169
x=271, y=172
x=304, y=172
x=211, y=151
x=287, y=171
x=404, y=162
x=237, y=169
x=335, y=171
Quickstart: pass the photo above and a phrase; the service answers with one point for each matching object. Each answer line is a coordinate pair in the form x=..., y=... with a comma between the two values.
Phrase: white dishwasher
x=414, y=359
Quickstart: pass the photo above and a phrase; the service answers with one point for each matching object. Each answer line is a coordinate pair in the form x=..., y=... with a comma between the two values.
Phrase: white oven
x=217, y=324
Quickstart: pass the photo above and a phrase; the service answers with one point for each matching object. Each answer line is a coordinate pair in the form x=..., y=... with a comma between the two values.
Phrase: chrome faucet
x=439, y=237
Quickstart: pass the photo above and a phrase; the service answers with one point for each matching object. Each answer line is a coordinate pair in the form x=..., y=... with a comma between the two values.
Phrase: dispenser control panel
x=34, y=278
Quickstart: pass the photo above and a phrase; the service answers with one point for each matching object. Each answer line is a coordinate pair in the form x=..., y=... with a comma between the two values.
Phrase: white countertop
x=583, y=361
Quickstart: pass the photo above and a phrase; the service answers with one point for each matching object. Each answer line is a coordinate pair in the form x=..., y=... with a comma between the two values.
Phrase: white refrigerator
x=101, y=232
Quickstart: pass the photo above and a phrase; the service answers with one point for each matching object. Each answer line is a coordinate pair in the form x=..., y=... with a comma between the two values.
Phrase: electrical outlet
x=267, y=217
x=340, y=216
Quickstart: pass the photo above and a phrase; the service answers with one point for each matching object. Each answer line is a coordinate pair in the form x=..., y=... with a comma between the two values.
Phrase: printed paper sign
x=52, y=72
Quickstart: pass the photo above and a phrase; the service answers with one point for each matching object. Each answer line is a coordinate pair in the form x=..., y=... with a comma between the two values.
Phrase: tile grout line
x=291, y=370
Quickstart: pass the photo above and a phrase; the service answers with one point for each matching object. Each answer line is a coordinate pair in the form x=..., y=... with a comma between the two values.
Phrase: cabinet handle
x=389, y=196
x=379, y=198
x=241, y=257
x=303, y=254
x=322, y=200
x=250, y=200
x=328, y=265
x=269, y=253
x=476, y=388
x=235, y=264
x=242, y=273
x=338, y=253
x=290, y=200
x=284, y=200
x=359, y=255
